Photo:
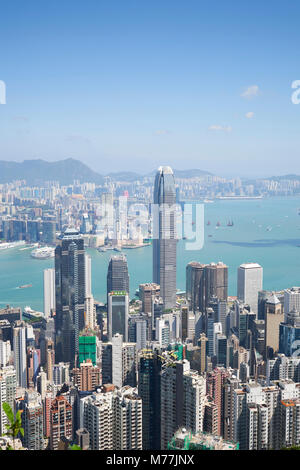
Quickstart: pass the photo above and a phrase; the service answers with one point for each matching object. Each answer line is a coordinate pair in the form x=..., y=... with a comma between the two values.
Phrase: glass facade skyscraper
x=70, y=295
x=164, y=235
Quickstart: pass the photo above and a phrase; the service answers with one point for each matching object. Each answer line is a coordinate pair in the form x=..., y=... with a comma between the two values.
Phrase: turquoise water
x=248, y=240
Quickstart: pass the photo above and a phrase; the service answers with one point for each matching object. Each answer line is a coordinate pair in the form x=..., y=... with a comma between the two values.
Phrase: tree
x=14, y=428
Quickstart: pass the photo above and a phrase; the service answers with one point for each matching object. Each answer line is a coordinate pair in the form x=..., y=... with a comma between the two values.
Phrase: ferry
x=6, y=245
x=31, y=314
x=43, y=253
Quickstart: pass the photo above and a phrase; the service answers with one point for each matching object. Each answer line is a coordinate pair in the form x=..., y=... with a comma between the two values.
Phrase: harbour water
x=266, y=231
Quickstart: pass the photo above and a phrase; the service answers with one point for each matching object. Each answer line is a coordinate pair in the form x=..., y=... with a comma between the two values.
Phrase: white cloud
x=162, y=132
x=251, y=91
x=249, y=115
x=220, y=128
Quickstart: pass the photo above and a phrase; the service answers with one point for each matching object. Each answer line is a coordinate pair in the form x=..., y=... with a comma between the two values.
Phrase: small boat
x=208, y=223
x=25, y=286
x=230, y=223
x=218, y=224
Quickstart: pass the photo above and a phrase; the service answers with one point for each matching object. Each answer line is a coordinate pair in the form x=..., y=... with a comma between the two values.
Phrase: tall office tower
x=292, y=300
x=19, y=347
x=33, y=229
x=118, y=313
x=70, y=295
x=187, y=324
x=31, y=408
x=147, y=294
x=88, y=276
x=204, y=283
x=274, y=316
x=117, y=274
x=222, y=350
x=250, y=282
x=149, y=391
x=8, y=386
x=210, y=320
x=262, y=297
x=182, y=400
x=113, y=418
x=87, y=377
x=49, y=292
x=217, y=330
x=6, y=331
x=60, y=421
x=216, y=282
x=137, y=331
x=164, y=235
x=61, y=373
x=222, y=315
x=49, y=232
x=195, y=286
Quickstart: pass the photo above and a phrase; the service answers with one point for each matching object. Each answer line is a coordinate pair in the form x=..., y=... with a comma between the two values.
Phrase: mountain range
x=35, y=172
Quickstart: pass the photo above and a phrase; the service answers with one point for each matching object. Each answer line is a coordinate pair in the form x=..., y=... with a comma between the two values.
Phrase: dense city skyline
x=149, y=228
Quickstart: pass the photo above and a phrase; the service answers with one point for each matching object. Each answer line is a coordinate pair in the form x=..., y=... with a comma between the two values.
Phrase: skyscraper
x=149, y=390
x=118, y=311
x=70, y=295
x=19, y=345
x=205, y=282
x=250, y=282
x=117, y=274
x=164, y=235
x=49, y=291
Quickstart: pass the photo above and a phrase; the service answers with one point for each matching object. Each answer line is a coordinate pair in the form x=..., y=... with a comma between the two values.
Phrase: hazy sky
x=131, y=85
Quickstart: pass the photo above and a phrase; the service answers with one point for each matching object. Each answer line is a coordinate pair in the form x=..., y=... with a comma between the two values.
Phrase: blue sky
x=131, y=85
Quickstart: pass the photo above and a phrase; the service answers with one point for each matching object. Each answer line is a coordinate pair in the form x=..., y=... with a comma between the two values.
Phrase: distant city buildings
x=158, y=370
